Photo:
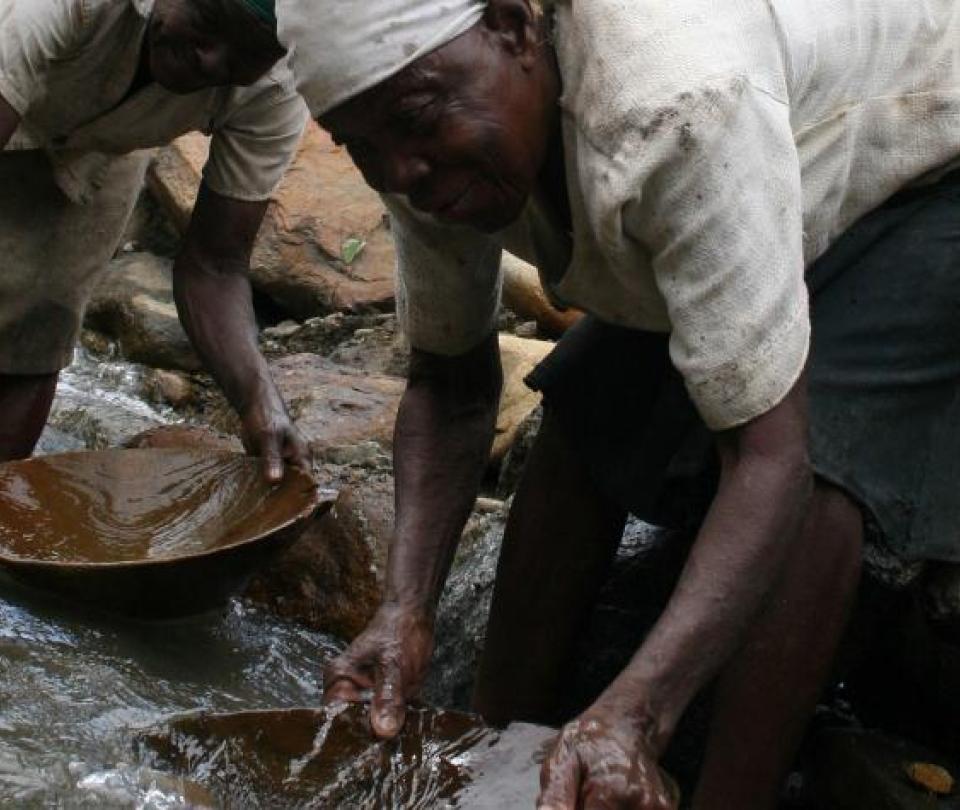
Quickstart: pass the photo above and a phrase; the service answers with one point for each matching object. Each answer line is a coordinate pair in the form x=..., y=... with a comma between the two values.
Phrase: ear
x=516, y=26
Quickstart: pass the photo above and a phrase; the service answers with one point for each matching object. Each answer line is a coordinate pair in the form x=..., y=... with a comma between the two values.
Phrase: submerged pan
x=149, y=533
x=327, y=758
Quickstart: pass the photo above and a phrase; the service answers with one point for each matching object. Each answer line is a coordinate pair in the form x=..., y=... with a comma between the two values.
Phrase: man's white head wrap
x=339, y=48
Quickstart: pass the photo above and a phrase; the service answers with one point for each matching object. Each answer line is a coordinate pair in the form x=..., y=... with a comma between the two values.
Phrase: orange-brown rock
x=337, y=407
x=320, y=215
x=518, y=357
x=524, y=294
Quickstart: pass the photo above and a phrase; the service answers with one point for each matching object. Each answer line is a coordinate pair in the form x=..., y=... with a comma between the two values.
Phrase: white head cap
x=340, y=48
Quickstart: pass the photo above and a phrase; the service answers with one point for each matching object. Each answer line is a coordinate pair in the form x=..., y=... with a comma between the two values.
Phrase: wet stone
x=327, y=758
x=865, y=770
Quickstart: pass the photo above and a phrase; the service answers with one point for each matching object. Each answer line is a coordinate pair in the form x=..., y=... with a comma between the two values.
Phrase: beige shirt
x=66, y=65
x=712, y=154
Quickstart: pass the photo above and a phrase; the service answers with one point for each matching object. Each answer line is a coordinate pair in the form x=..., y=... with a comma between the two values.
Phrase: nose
x=403, y=171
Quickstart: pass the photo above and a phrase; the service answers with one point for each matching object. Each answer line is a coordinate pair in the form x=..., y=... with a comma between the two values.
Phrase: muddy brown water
x=148, y=533
x=327, y=758
x=140, y=505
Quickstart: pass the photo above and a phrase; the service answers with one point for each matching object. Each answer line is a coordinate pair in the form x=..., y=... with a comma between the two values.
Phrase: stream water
x=75, y=687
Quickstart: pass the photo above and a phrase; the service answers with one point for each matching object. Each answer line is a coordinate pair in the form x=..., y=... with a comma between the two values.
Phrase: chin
x=172, y=79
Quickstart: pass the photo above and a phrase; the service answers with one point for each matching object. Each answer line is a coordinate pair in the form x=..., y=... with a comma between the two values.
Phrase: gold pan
x=148, y=533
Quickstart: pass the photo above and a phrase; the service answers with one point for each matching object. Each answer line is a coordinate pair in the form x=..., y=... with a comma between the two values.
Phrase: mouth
x=452, y=209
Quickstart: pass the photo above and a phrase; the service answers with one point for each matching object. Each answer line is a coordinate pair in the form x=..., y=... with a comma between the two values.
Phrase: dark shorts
x=884, y=381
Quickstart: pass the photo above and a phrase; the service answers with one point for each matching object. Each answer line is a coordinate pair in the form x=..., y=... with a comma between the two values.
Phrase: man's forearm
x=442, y=442
x=216, y=311
x=735, y=562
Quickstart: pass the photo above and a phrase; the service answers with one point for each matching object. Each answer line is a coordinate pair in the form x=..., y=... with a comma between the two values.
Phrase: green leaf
x=351, y=248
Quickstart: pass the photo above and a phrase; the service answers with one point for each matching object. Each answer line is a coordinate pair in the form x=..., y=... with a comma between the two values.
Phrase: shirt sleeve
x=448, y=282
x=255, y=143
x=33, y=34
x=717, y=206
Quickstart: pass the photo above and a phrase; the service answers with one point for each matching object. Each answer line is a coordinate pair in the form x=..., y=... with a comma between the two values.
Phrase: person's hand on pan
x=387, y=664
x=269, y=432
x=602, y=761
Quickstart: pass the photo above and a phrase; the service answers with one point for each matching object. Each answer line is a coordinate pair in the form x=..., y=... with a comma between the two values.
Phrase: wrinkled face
x=463, y=132
x=191, y=48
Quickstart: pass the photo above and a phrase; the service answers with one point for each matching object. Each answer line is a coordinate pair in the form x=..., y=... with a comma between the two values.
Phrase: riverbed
x=76, y=686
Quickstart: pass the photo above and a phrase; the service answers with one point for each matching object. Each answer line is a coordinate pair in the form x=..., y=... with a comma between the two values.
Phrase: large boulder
x=344, y=411
x=325, y=243
x=341, y=411
x=331, y=579
x=134, y=305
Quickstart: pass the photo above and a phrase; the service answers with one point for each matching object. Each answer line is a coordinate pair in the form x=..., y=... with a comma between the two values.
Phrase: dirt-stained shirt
x=66, y=67
x=713, y=151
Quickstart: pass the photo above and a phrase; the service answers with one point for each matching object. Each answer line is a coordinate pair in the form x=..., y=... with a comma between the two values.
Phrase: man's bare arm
x=212, y=292
x=765, y=484
x=444, y=431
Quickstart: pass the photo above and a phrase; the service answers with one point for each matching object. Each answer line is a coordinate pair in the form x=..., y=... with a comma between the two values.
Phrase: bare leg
x=767, y=694
x=24, y=407
x=559, y=541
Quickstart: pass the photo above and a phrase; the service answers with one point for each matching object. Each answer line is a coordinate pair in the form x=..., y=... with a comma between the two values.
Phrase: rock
x=518, y=357
x=170, y=388
x=930, y=778
x=464, y=607
x=524, y=295
x=856, y=770
x=331, y=579
x=189, y=436
x=370, y=342
x=511, y=470
x=53, y=440
x=337, y=407
x=134, y=305
x=321, y=215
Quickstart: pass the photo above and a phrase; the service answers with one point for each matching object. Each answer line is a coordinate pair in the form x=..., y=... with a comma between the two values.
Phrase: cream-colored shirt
x=66, y=66
x=713, y=151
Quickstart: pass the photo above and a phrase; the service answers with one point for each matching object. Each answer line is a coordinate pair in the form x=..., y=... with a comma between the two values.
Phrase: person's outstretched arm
x=444, y=431
x=212, y=292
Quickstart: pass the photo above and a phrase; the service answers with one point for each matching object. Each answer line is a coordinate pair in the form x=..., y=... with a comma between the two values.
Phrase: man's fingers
x=343, y=690
x=272, y=458
x=296, y=451
x=389, y=707
x=560, y=778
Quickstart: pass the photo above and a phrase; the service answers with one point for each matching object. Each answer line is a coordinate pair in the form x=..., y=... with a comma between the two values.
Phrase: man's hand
x=602, y=761
x=390, y=658
x=268, y=432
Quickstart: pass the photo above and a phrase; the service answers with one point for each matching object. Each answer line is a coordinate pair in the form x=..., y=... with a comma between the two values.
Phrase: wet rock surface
x=331, y=579
x=859, y=770
x=134, y=306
